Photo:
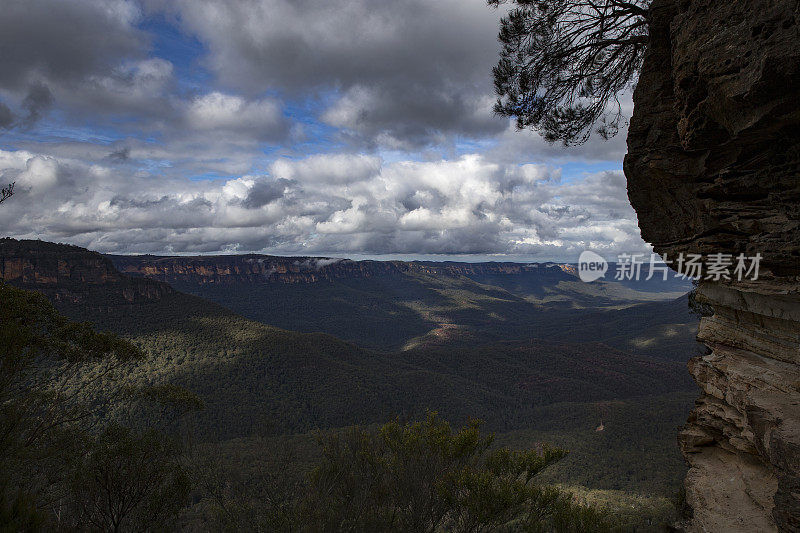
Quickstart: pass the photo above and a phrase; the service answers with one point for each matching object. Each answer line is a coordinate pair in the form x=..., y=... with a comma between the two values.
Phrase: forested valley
x=171, y=411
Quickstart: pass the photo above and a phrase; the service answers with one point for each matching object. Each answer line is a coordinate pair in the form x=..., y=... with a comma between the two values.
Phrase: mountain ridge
x=252, y=375
x=308, y=269
x=390, y=305
x=63, y=272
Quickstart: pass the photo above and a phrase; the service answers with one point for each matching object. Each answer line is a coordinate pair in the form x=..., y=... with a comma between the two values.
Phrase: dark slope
x=257, y=378
x=398, y=305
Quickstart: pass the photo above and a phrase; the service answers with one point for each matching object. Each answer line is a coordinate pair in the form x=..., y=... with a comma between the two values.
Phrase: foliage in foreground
x=63, y=463
x=419, y=476
x=66, y=461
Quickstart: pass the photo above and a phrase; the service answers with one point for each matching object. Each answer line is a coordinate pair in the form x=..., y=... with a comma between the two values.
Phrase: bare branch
x=7, y=192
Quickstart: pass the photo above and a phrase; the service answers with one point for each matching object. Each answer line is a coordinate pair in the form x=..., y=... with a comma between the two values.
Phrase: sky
x=345, y=128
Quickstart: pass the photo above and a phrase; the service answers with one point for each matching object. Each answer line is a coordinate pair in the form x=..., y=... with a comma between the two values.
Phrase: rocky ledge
x=713, y=166
x=68, y=273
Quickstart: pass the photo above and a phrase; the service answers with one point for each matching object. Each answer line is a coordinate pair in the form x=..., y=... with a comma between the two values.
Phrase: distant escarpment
x=82, y=284
x=65, y=272
x=713, y=166
x=222, y=269
x=257, y=380
x=396, y=305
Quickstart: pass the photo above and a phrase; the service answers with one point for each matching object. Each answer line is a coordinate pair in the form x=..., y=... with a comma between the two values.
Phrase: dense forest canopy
x=66, y=464
x=85, y=446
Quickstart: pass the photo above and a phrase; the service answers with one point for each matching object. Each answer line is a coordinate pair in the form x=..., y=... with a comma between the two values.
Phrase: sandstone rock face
x=68, y=273
x=713, y=166
x=254, y=268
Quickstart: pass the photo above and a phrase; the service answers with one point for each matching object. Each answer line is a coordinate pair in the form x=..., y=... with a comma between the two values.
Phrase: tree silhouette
x=7, y=192
x=564, y=63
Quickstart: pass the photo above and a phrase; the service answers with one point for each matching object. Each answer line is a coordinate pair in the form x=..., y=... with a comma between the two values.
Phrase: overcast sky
x=351, y=128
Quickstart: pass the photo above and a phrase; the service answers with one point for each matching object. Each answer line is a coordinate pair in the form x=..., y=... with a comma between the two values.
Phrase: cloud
x=138, y=88
x=264, y=192
x=408, y=76
x=88, y=58
x=6, y=117
x=222, y=112
x=404, y=72
x=333, y=169
x=326, y=128
x=120, y=156
x=416, y=116
x=65, y=41
x=468, y=205
x=36, y=102
x=513, y=144
x=322, y=263
x=41, y=173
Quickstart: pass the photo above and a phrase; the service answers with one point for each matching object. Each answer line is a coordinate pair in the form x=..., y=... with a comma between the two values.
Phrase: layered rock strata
x=713, y=166
x=68, y=273
x=255, y=268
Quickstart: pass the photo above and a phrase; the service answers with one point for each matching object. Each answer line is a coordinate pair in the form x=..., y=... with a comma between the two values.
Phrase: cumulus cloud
x=332, y=169
x=404, y=72
x=91, y=58
x=138, y=88
x=338, y=127
x=65, y=41
x=221, y=112
x=469, y=205
x=265, y=191
x=40, y=174
x=86, y=57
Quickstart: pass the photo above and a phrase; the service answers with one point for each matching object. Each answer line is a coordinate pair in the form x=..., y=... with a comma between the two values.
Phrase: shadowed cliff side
x=67, y=274
x=713, y=166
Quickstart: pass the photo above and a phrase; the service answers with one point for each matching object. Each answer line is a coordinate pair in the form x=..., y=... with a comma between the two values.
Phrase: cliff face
x=713, y=166
x=68, y=273
x=253, y=268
